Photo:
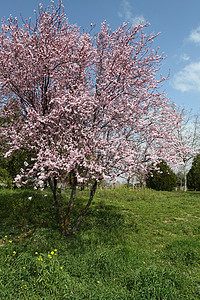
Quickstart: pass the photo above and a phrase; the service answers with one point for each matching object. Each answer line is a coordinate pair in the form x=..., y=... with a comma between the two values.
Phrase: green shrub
x=161, y=179
x=193, y=176
x=5, y=178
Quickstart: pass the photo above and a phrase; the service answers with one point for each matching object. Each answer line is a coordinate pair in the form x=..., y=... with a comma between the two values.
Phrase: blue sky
x=177, y=20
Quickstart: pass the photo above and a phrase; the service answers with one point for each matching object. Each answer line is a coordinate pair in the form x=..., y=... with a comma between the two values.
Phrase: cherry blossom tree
x=88, y=107
x=189, y=141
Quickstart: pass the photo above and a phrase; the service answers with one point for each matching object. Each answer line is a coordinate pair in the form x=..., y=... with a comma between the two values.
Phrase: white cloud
x=195, y=35
x=188, y=79
x=185, y=57
x=127, y=14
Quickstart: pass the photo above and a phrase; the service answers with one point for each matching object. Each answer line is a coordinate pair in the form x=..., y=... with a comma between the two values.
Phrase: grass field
x=131, y=245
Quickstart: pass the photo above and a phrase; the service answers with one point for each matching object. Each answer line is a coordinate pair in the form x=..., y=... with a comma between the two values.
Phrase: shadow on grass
x=22, y=209
x=27, y=208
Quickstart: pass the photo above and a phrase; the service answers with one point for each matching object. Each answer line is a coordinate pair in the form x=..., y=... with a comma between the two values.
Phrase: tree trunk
x=53, y=185
x=78, y=221
x=128, y=183
x=185, y=177
x=70, y=206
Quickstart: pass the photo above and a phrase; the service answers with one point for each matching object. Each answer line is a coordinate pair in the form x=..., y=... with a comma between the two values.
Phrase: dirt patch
x=2, y=243
x=180, y=219
x=167, y=221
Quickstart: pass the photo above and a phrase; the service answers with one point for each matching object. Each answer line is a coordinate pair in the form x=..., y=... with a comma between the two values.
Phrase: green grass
x=131, y=245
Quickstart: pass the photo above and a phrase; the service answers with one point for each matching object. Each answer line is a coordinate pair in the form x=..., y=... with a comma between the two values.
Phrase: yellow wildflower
x=40, y=258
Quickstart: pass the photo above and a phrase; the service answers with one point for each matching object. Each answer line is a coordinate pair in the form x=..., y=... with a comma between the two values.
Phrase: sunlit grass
x=131, y=245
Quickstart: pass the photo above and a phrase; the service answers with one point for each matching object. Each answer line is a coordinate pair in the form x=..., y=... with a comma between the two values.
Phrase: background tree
x=161, y=179
x=180, y=180
x=189, y=140
x=88, y=107
x=193, y=175
x=11, y=165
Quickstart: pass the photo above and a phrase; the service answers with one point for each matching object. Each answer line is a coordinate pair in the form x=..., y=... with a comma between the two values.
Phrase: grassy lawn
x=131, y=245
